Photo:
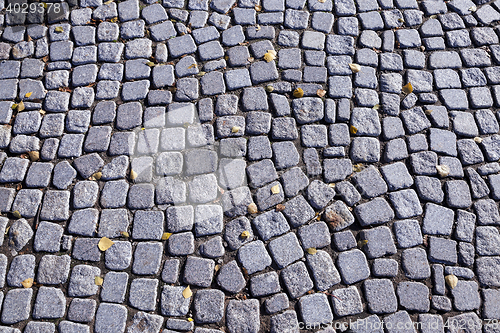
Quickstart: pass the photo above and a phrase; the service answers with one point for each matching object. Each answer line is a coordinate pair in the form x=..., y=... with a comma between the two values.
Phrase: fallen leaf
x=105, y=243
x=201, y=73
x=7, y=230
x=275, y=189
x=125, y=234
x=217, y=267
x=443, y=170
x=27, y=283
x=280, y=207
x=98, y=281
x=353, y=129
x=59, y=29
x=34, y=155
x=42, y=112
x=376, y=107
x=20, y=106
x=473, y=9
x=133, y=174
x=166, y=235
x=451, y=280
x=14, y=106
x=252, y=208
x=28, y=95
x=357, y=167
x=258, y=8
x=97, y=175
x=193, y=66
x=477, y=139
x=321, y=92
x=355, y=68
x=187, y=292
x=235, y=129
x=250, y=59
x=362, y=242
x=401, y=20
x=312, y=250
x=408, y=88
x=298, y=93
x=268, y=57
x=245, y=234
x=433, y=17
x=322, y=1
x=257, y=27
x=269, y=88
x=108, y=2
x=331, y=185
x=16, y=214
x=114, y=19
x=150, y=64
x=428, y=112
x=190, y=319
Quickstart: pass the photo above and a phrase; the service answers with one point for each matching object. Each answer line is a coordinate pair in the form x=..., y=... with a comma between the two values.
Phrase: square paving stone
x=415, y=264
x=254, y=257
x=110, y=317
x=199, y=271
x=82, y=310
x=16, y=306
x=53, y=269
x=82, y=281
x=442, y=250
x=323, y=270
x=147, y=258
x=414, y=296
x=50, y=303
x=380, y=296
x=113, y=222
x=209, y=306
x=173, y=302
x=350, y=304
x=285, y=250
x=142, y=294
x=353, y=266
x=265, y=284
x=380, y=242
x=114, y=287
x=406, y=203
x=148, y=225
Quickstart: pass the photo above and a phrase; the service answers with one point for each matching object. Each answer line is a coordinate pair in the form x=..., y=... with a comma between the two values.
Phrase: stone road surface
x=258, y=165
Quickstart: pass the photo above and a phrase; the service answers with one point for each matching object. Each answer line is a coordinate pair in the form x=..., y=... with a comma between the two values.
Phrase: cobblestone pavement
x=250, y=166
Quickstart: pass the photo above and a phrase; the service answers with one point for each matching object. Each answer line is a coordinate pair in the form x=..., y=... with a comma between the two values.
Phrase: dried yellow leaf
x=105, y=243
x=42, y=112
x=257, y=27
x=428, y=112
x=477, y=139
x=235, y=129
x=34, y=155
x=443, y=170
x=187, y=292
x=362, y=242
x=401, y=20
x=114, y=19
x=59, y=29
x=473, y=9
x=166, y=235
x=451, y=280
x=190, y=319
x=14, y=106
x=408, y=88
x=27, y=283
x=355, y=68
x=98, y=281
x=250, y=59
x=322, y=1
x=44, y=5
x=133, y=174
x=7, y=230
x=353, y=129
x=150, y=64
x=16, y=214
x=376, y=107
x=193, y=66
x=298, y=93
x=269, y=56
x=332, y=185
x=269, y=88
x=280, y=207
x=97, y=175
x=28, y=94
x=357, y=167
x=433, y=17
x=108, y=2
x=252, y=208
x=20, y=106
x=258, y=8
x=217, y=267
x=312, y=250
x=125, y=234
x=245, y=234
x=201, y=73
x=321, y=92
x=275, y=189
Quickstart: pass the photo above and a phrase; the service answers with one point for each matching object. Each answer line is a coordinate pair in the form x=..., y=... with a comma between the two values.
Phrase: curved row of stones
x=153, y=118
